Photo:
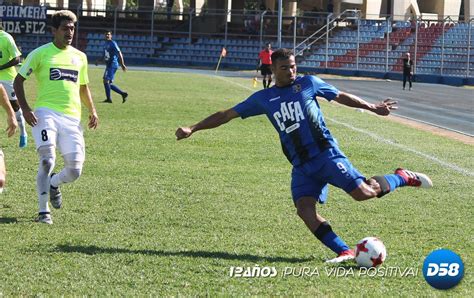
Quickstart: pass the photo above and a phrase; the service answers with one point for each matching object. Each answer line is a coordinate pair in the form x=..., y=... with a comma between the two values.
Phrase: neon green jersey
x=8, y=51
x=59, y=73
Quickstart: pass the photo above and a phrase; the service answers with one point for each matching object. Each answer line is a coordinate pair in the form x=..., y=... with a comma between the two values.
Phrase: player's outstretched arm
x=86, y=99
x=11, y=119
x=212, y=121
x=383, y=108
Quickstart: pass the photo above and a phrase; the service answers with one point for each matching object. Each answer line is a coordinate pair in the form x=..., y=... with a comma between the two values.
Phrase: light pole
x=280, y=17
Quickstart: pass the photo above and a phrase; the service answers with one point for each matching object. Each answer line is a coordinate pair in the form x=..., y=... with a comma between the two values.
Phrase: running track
x=443, y=106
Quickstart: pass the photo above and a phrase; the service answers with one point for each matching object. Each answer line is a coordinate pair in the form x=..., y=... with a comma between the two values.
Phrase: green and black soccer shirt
x=8, y=51
x=59, y=73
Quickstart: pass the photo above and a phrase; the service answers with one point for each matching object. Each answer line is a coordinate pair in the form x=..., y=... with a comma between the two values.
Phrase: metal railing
x=330, y=21
x=430, y=41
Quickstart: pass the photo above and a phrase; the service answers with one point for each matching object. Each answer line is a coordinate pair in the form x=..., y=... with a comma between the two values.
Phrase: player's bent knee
x=72, y=174
x=73, y=163
x=47, y=158
x=363, y=192
x=301, y=212
x=47, y=164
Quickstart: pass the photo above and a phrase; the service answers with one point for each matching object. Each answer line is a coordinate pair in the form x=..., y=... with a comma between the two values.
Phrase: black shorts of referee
x=265, y=69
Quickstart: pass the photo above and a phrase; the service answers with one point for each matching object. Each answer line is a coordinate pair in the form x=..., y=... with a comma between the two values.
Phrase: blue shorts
x=331, y=166
x=109, y=73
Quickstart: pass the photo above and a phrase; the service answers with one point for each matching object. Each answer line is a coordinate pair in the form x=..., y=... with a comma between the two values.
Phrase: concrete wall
x=371, y=9
x=401, y=9
x=442, y=8
x=405, y=9
x=468, y=9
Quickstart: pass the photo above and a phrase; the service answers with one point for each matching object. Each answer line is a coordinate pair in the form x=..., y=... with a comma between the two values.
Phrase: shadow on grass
x=344, y=265
x=93, y=250
x=8, y=220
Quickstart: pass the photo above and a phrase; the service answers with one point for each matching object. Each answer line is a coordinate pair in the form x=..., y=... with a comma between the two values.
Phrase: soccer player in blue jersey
x=292, y=108
x=112, y=57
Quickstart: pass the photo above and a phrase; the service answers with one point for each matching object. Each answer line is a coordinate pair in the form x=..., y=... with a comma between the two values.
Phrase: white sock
x=46, y=165
x=56, y=180
x=43, y=203
x=42, y=186
x=21, y=122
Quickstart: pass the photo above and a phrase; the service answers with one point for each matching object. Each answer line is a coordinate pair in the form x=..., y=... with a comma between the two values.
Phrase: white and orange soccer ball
x=370, y=252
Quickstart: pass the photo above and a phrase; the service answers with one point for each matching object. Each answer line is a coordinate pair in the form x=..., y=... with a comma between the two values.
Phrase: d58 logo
x=443, y=269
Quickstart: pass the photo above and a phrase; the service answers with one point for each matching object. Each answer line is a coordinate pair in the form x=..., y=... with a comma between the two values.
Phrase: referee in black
x=407, y=70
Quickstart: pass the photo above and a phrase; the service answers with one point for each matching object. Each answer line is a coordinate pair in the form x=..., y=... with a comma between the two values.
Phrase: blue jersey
x=111, y=53
x=296, y=115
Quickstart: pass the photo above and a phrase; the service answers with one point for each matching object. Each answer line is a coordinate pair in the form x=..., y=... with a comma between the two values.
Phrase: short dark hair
x=282, y=54
x=62, y=15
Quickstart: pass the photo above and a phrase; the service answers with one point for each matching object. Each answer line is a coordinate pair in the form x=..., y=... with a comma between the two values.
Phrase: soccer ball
x=370, y=252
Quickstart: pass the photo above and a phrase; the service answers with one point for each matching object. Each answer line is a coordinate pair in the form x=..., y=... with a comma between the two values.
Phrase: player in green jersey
x=9, y=57
x=12, y=125
x=61, y=73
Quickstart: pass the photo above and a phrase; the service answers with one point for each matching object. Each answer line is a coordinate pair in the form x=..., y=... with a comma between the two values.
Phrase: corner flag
x=223, y=53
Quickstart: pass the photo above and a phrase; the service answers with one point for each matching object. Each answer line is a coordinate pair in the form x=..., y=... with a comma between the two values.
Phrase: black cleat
x=124, y=97
x=108, y=101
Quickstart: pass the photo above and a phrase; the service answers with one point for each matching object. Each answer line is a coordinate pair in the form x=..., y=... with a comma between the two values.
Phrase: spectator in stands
x=169, y=8
x=10, y=56
x=316, y=16
x=249, y=25
x=264, y=64
x=12, y=125
x=407, y=70
x=112, y=57
x=301, y=27
x=291, y=28
x=330, y=6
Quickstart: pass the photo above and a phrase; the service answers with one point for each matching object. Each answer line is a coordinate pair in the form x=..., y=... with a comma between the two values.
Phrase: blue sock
x=326, y=235
x=116, y=89
x=395, y=180
x=107, y=91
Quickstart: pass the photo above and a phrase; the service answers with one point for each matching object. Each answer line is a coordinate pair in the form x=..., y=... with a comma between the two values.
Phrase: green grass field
x=153, y=216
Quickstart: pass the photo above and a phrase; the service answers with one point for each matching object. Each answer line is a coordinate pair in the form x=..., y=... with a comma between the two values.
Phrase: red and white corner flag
x=223, y=52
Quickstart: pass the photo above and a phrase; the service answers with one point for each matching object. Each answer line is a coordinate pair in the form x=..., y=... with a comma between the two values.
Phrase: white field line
x=435, y=159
